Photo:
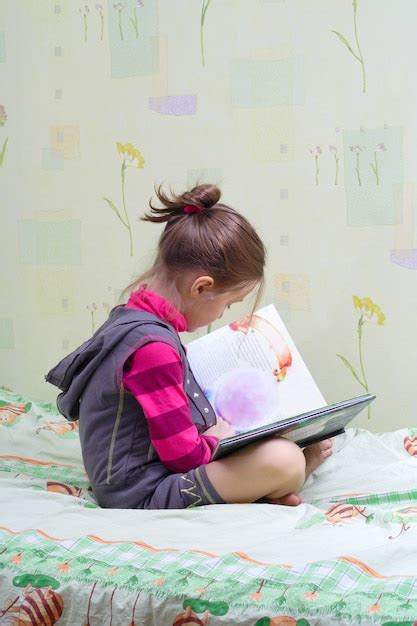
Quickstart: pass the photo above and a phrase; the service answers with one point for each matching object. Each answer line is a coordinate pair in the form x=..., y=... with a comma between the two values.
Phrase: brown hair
x=217, y=240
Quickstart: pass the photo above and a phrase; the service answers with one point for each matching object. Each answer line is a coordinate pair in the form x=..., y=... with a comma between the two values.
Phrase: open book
x=256, y=380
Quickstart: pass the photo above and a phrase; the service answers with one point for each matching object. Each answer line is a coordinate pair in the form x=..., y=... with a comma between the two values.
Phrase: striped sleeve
x=154, y=375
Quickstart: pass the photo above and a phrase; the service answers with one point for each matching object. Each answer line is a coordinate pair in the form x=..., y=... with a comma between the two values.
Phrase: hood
x=72, y=374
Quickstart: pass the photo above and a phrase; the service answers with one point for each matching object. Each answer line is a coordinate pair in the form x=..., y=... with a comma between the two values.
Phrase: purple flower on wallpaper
x=84, y=12
x=379, y=148
x=119, y=6
x=333, y=150
x=174, y=105
x=92, y=308
x=134, y=19
x=316, y=152
x=100, y=9
x=357, y=149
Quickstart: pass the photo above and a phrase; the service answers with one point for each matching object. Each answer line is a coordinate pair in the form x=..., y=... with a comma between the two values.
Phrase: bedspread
x=347, y=555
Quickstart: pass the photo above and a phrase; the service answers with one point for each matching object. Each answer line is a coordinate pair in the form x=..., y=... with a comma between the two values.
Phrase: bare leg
x=316, y=454
x=273, y=468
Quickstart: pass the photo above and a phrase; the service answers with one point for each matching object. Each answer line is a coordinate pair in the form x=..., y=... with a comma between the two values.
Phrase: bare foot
x=316, y=454
x=291, y=499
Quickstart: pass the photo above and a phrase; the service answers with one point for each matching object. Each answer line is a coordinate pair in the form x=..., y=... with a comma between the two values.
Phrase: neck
x=166, y=289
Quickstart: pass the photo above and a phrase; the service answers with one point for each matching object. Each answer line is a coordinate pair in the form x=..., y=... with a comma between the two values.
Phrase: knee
x=284, y=458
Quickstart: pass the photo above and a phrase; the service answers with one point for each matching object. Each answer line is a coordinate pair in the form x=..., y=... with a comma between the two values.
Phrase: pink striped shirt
x=154, y=375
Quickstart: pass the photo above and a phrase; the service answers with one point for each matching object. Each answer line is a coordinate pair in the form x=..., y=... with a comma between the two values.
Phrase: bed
x=347, y=555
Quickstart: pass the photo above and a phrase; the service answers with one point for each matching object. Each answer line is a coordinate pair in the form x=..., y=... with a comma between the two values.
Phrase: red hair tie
x=192, y=208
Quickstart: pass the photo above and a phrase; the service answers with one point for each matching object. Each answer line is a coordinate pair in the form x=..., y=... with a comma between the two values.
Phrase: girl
x=147, y=431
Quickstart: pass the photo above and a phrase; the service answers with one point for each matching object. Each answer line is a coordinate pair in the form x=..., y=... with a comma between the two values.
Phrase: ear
x=201, y=285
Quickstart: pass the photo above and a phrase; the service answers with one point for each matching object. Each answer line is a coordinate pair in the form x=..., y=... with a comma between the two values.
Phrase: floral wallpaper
x=303, y=112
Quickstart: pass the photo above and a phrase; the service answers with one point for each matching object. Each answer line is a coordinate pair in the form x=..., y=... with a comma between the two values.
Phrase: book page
x=252, y=372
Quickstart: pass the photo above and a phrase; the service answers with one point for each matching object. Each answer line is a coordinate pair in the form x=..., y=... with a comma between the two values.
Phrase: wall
x=310, y=133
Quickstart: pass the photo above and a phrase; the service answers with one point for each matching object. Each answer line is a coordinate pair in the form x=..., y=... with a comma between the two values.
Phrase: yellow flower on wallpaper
x=368, y=312
x=371, y=312
x=131, y=157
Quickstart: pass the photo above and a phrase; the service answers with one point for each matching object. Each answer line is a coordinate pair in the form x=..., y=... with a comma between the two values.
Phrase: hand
x=221, y=430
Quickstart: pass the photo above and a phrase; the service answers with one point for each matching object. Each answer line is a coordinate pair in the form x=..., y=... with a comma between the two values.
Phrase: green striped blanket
x=347, y=555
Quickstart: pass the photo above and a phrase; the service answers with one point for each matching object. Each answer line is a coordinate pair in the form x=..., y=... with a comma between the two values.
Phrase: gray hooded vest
x=120, y=461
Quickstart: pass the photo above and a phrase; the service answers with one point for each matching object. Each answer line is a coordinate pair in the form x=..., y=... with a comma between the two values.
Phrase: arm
x=154, y=375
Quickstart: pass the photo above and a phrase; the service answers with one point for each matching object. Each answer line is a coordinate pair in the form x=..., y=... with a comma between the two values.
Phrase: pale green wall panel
x=373, y=167
x=52, y=160
x=132, y=35
x=266, y=83
x=265, y=100
x=42, y=242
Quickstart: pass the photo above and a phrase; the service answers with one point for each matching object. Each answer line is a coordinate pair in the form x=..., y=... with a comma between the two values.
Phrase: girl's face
x=206, y=307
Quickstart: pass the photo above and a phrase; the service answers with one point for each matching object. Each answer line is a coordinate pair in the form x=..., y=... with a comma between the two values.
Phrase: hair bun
x=202, y=195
